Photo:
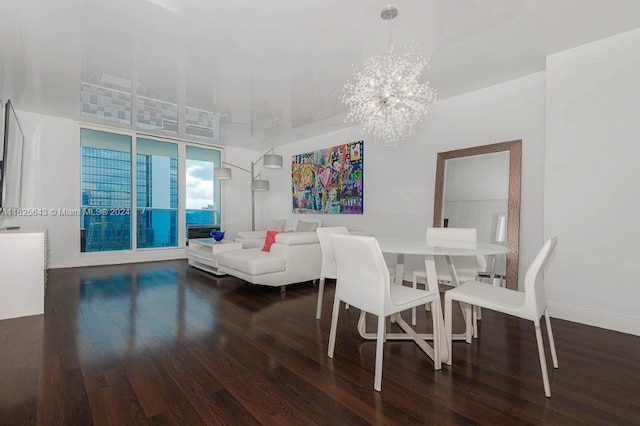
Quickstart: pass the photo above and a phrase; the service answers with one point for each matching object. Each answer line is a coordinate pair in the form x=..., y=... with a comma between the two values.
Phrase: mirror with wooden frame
x=479, y=187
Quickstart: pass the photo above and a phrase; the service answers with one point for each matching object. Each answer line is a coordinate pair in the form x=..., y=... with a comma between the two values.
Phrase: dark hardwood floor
x=161, y=343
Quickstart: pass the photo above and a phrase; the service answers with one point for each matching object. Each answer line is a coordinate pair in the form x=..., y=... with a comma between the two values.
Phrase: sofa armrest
x=297, y=238
x=252, y=235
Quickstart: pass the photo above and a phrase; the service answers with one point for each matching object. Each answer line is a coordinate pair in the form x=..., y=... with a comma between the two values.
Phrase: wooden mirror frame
x=513, y=202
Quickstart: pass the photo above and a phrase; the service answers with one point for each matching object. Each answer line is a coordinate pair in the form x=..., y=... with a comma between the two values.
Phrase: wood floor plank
x=126, y=399
x=50, y=403
x=361, y=384
x=19, y=362
x=76, y=403
x=252, y=390
x=228, y=410
x=148, y=387
x=161, y=343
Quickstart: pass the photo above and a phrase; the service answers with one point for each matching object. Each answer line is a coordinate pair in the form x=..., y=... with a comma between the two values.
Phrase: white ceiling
x=266, y=51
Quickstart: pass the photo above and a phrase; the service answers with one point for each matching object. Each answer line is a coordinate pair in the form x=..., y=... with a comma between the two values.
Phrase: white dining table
x=401, y=246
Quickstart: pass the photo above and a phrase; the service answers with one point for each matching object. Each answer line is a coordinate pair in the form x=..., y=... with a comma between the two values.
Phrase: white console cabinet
x=22, y=273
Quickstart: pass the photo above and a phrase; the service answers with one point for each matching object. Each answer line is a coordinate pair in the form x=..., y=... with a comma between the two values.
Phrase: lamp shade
x=260, y=185
x=272, y=161
x=222, y=173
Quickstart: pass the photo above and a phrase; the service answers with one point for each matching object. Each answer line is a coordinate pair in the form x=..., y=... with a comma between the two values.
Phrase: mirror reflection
x=479, y=188
x=476, y=191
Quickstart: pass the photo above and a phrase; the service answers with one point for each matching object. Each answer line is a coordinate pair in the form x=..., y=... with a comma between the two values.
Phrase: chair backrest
x=329, y=267
x=535, y=294
x=363, y=277
x=466, y=266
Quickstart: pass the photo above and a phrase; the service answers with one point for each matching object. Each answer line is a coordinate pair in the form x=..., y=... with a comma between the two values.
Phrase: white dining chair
x=364, y=282
x=530, y=304
x=465, y=267
x=329, y=268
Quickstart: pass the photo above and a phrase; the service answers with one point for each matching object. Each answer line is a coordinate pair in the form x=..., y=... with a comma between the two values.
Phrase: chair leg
x=543, y=361
x=436, y=314
x=413, y=310
x=468, y=321
x=320, y=296
x=475, y=310
x=377, y=384
x=447, y=325
x=362, y=325
x=552, y=343
x=334, y=326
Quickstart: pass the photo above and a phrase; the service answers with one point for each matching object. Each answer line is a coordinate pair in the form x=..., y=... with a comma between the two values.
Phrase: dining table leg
x=432, y=285
x=399, y=278
x=399, y=268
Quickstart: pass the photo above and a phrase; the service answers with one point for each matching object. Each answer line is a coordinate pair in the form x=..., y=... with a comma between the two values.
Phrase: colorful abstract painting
x=329, y=180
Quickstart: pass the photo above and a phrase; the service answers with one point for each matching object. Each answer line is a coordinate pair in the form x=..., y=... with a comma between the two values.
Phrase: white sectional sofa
x=294, y=257
x=251, y=239
x=255, y=239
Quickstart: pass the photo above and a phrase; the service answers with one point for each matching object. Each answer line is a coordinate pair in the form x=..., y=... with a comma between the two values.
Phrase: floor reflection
x=142, y=308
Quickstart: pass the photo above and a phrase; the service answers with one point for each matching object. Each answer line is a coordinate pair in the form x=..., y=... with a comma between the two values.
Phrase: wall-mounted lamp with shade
x=270, y=160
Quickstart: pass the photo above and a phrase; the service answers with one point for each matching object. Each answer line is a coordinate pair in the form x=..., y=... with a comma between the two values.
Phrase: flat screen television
x=11, y=166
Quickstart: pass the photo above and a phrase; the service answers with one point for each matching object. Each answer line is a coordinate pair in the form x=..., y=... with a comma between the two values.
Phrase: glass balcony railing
x=105, y=228
x=203, y=217
x=157, y=228
x=109, y=228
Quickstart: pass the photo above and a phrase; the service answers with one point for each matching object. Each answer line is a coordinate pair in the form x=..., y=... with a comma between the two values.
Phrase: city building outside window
x=157, y=193
x=105, y=210
x=201, y=186
x=107, y=199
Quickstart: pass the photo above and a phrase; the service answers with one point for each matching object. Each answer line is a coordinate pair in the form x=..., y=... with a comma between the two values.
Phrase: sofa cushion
x=252, y=235
x=296, y=238
x=277, y=225
x=269, y=240
x=250, y=244
x=304, y=226
x=252, y=261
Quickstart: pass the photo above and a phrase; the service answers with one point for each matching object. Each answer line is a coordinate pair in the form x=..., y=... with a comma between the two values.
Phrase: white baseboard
x=114, y=258
x=600, y=319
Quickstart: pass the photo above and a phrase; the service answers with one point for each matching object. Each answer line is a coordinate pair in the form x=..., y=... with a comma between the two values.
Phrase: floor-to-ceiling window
x=105, y=210
x=109, y=175
x=201, y=205
x=156, y=193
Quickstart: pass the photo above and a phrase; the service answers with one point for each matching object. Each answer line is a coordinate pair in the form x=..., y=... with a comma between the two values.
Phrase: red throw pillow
x=268, y=242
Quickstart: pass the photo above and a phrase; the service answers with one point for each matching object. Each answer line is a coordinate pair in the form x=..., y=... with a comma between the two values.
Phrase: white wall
x=51, y=180
x=236, y=192
x=399, y=182
x=592, y=183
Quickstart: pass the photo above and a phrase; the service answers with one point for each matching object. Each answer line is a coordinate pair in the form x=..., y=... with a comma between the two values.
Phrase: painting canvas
x=329, y=180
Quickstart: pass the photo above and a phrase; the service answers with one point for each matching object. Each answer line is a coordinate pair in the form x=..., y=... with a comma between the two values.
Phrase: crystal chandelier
x=387, y=98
